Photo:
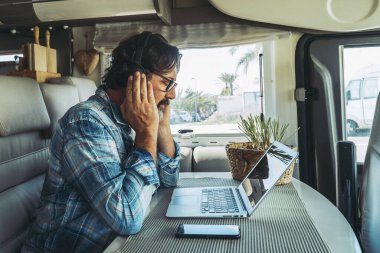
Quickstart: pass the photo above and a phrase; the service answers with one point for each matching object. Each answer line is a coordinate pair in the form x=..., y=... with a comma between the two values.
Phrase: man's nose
x=171, y=94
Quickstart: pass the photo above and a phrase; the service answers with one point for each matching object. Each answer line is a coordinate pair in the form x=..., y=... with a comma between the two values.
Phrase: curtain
x=107, y=36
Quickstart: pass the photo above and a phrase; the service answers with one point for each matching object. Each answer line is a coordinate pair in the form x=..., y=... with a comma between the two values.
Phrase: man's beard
x=163, y=102
x=160, y=115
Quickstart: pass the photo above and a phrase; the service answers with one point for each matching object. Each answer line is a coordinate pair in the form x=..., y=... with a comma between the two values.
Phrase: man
x=100, y=181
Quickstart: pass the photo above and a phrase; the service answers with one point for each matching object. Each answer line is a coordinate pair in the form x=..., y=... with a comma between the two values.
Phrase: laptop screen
x=266, y=173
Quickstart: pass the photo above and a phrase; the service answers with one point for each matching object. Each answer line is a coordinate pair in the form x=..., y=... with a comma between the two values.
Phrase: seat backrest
x=86, y=87
x=186, y=159
x=210, y=159
x=58, y=99
x=370, y=191
x=23, y=157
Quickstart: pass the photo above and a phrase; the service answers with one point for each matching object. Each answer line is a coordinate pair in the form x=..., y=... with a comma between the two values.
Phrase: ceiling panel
x=327, y=15
x=84, y=9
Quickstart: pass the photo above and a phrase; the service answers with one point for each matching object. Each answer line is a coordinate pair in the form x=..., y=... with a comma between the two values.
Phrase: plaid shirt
x=98, y=184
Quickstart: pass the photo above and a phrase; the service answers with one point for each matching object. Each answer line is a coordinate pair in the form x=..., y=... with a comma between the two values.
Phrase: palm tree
x=197, y=101
x=194, y=101
x=247, y=58
x=179, y=101
x=228, y=79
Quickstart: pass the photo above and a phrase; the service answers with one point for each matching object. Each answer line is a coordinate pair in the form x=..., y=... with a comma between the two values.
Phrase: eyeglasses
x=171, y=83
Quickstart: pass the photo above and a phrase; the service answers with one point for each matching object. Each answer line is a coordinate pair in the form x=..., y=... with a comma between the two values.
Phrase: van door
x=323, y=63
x=370, y=92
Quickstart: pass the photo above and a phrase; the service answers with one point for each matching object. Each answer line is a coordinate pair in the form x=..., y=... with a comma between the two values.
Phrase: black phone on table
x=208, y=231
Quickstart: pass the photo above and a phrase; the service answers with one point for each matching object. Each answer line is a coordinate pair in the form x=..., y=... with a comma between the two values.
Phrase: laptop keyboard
x=218, y=201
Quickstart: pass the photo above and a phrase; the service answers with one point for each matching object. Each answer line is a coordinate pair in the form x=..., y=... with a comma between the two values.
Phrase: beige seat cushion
x=23, y=157
x=58, y=99
x=210, y=159
x=186, y=159
x=86, y=87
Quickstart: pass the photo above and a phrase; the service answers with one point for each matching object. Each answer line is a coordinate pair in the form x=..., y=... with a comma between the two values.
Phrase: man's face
x=162, y=96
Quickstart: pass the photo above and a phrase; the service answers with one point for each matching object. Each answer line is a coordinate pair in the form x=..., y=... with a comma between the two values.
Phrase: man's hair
x=158, y=57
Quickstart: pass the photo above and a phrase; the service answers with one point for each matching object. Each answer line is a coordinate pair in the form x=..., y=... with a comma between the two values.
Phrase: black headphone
x=135, y=63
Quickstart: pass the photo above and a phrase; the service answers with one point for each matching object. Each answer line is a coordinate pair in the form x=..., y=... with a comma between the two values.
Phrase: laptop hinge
x=241, y=200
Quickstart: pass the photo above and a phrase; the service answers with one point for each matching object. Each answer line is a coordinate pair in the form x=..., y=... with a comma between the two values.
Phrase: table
x=329, y=222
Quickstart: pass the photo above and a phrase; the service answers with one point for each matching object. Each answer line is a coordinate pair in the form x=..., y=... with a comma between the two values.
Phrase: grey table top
x=331, y=224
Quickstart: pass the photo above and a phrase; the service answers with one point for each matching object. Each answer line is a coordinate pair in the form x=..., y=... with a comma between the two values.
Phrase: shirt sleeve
x=119, y=191
x=168, y=168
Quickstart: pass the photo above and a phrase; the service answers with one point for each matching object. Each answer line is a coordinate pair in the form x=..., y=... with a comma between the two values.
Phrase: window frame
x=194, y=138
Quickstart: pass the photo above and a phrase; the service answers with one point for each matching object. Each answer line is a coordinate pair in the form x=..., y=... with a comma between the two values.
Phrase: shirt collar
x=116, y=113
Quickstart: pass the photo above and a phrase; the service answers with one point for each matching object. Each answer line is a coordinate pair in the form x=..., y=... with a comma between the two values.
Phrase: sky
x=200, y=69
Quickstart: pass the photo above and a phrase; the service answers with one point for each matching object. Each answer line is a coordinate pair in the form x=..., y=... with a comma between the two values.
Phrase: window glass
x=370, y=88
x=9, y=57
x=360, y=63
x=216, y=87
x=353, y=89
x=8, y=62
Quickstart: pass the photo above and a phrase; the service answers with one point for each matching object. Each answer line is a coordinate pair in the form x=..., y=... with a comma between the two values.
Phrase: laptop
x=232, y=201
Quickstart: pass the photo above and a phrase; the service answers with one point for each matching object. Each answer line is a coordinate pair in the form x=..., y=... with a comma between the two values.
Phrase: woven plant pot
x=287, y=177
x=242, y=157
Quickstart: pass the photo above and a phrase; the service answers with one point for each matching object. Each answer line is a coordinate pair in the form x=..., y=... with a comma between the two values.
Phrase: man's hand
x=140, y=111
x=165, y=138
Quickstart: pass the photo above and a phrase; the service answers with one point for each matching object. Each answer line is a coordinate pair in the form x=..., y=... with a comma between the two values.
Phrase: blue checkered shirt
x=98, y=184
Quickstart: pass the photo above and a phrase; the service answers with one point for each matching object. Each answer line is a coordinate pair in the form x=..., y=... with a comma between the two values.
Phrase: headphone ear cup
x=142, y=42
x=134, y=65
x=136, y=68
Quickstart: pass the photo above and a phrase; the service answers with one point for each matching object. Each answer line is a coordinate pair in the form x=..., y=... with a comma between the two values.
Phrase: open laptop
x=227, y=201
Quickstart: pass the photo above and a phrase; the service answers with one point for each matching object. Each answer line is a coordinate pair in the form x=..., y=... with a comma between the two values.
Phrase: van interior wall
x=82, y=43
x=279, y=83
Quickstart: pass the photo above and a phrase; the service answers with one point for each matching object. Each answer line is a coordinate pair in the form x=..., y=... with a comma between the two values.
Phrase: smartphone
x=208, y=231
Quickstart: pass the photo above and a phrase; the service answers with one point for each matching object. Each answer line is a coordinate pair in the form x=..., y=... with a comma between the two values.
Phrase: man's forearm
x=147, y=141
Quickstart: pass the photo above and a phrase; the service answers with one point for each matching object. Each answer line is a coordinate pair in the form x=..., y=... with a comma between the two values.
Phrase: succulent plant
x=262, y=131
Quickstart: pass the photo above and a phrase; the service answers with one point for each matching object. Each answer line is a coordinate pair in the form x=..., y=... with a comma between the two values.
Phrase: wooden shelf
x=39, y=76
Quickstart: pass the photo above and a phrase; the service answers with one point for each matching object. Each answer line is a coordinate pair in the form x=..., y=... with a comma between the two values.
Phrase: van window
x=9, y=61
x=354, y=90
x=9, y=57
x=217, y=86
x=361, y=63
x=370, y=88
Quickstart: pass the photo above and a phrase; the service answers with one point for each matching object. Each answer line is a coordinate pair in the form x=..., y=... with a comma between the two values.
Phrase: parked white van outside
x=361, y=94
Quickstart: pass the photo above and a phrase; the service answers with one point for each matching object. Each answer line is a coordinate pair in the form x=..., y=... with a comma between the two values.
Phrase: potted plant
x=260, y=132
